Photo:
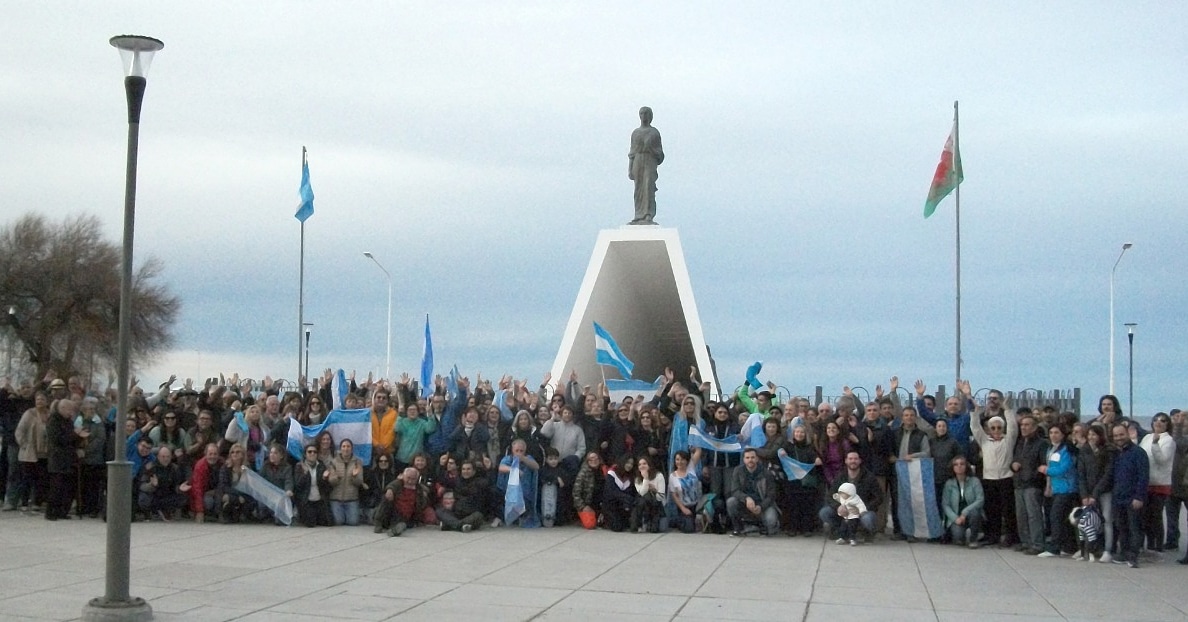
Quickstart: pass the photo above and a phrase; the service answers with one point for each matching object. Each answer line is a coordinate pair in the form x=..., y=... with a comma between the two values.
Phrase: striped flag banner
x=918, y=514
x=353, y=424
x=698, y=438
x=267, y=494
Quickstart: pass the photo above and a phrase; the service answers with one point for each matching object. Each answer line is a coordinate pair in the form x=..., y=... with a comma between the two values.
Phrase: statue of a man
x=645, y=156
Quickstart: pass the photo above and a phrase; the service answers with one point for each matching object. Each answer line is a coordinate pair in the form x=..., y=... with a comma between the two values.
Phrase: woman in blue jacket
x=1061, y=470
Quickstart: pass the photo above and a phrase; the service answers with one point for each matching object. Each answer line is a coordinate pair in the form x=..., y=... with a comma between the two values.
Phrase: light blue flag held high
x=267, y=494
x=753, y=375
x=339, y=387
x=305, y=208
x=918, y=514
x=353, y=424
x=427, y=363
x=607, y=352
x=793, y=468
x=513, y=499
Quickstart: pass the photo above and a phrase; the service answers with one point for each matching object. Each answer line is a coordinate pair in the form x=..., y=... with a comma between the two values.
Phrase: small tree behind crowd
x=60, y=291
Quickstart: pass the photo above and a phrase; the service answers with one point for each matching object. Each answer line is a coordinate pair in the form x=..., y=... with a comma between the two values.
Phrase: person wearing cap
x=997, y=443
x=1029, y=482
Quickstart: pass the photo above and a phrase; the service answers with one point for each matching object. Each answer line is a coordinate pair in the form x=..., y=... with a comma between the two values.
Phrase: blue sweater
x=1131, y=474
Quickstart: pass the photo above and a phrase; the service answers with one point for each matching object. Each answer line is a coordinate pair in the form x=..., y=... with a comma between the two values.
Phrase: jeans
x=970, y=530
x=868, y=520
x=1153, y=520
x=1173, y=519
x=739, y=514
x=1029, y=517
x=15, y=487
x=1129, y=529
x=1064, y=539
x=1105, y=503
x=345, y=512
x=1000, y=508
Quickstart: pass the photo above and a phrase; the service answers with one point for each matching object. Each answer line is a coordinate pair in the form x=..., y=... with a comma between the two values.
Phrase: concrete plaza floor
x=49, y=570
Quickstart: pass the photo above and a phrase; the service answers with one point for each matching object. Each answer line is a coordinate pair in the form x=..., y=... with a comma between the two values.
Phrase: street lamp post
x=388, y=361
x=308, y=330
x=1130, y=339
x=1125, y=247
x=137, y=53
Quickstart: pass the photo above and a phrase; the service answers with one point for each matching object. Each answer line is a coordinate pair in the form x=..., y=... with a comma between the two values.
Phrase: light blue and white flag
x=793, y=468
x=751, y=434
x=427, y=363
x=353, y=424
x=730, y=444
x=607, y=352
x=918, y=514
x=305, y=208
x=267, y=494
x=452, y=381
x=753, y=375
x=513, y=498
x=339, y=387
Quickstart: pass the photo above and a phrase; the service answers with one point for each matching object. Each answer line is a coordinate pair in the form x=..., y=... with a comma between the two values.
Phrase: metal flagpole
x=957, y=175
x=301, y=285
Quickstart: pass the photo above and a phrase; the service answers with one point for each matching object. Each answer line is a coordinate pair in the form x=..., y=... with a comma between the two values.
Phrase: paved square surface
x=49, y=570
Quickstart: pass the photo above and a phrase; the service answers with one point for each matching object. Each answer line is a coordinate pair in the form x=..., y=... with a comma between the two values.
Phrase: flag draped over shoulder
x=918, y=514
x=948, y=173
x=305, y=208
x=427, y=363
x=608, y=353
x=353, y=424
x=267, y=494
x=730, y=444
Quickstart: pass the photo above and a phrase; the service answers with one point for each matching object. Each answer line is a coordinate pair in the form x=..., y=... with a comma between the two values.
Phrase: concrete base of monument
x=101, y=610
x=637, y=287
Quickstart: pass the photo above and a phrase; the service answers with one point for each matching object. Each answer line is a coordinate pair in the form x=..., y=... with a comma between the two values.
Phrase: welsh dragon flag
x=948, y=173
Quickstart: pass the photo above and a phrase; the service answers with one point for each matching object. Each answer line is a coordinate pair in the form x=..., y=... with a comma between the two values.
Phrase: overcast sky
x=477, y=149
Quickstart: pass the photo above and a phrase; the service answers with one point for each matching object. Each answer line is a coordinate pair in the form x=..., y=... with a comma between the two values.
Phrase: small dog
x=1088, y=523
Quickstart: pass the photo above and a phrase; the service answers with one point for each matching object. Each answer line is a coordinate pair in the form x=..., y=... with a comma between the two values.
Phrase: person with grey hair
x=93, y=470
x=62, y=442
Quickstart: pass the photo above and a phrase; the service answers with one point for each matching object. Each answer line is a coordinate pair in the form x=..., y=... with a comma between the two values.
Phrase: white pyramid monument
x=637, y=287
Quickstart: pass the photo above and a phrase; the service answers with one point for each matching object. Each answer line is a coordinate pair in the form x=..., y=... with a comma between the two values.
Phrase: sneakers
x=1105, y=558
x=735, y=533
x=1117, y=561
x=974, y=544
x=853, y=543
x=378, y=528
x=496, y=522
x=1132, y=564
x=1078, y=557
x=397, y=529
x=162, y=516
x=1046, y=554
x=467, y=528
x=840, y=541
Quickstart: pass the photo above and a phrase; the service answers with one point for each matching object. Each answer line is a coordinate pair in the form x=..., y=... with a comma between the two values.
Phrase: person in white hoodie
x=1161, y=451
x=850, y=508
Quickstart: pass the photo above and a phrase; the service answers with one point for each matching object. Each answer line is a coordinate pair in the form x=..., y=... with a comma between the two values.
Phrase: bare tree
x=60, y=284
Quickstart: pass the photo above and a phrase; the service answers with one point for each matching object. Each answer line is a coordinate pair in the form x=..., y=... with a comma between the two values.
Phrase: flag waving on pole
x=427, y=363
x=608, y=352
x=948, y=173
x=305, y=208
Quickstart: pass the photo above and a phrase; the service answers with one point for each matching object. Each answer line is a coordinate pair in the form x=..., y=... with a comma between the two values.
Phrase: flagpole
x=301, y=284
x=956, y=152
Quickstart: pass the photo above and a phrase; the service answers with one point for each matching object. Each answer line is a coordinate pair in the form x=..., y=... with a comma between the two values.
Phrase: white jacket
x=1160, y=455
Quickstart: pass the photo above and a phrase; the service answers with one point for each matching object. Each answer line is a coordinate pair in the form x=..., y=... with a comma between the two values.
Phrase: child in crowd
x=552, y=474
x=850, y=510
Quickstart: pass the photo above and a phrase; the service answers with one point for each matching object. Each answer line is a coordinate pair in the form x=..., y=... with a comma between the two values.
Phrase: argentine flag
x=267, y=494
x=608, y=352
x=918, y=514
x=793, y=468
x=427, y=387
x=730, y=444
x=339, y=387
x=751, y=434
x=305, y=208
x=352, y=424
x=513, y=500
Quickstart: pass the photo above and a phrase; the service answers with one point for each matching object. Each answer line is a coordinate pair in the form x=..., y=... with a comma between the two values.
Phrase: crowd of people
x=462, y=456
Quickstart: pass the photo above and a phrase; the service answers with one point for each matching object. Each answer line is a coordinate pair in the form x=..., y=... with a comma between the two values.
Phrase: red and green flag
x=948, y=173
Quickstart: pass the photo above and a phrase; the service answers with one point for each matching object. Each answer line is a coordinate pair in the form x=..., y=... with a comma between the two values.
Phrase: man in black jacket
x=868, y=490
x=754, y=496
